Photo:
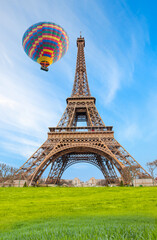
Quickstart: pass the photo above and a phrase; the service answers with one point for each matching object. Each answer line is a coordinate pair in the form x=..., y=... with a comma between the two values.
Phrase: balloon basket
x=44, y=68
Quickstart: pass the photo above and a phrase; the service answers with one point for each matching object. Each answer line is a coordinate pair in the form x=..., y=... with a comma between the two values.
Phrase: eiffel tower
x=68, y=143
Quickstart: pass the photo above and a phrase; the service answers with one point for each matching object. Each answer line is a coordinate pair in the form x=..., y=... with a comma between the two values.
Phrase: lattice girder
x=90, y=144
x=69, y=159
x=28, y=168
x=123, y=156
x=85, y=106
x=80, y=87
x=61, y=143
x=94, y=144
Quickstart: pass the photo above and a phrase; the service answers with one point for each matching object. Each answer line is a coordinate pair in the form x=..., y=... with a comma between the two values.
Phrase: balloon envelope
x=45, y=43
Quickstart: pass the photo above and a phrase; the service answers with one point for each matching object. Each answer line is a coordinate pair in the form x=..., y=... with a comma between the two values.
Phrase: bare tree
x=130, y=173
x=6, y=172
x=152, y=166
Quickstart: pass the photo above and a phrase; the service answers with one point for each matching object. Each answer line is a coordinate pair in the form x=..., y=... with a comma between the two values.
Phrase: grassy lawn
x=78, y=213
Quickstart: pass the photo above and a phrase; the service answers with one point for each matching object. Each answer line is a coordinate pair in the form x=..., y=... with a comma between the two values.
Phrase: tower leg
x=57, y=169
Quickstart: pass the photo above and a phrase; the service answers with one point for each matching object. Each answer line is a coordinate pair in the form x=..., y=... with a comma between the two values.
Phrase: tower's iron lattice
x=68, y=144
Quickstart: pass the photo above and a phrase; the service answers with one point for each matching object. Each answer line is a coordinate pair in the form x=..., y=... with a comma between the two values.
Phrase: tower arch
x=61, y=157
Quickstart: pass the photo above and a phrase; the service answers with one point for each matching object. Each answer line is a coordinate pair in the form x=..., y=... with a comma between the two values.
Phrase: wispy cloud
x=114, y=55
x=24, y=147
x=130, y=132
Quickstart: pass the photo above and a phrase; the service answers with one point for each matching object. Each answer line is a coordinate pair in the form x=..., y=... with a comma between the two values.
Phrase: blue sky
x=121, y=60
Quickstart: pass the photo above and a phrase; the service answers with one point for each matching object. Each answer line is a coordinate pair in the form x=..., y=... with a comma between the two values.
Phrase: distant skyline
x=121, y=60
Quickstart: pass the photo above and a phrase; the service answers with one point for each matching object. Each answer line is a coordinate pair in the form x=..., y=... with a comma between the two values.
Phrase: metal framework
x=62, y=163
x=68, y=143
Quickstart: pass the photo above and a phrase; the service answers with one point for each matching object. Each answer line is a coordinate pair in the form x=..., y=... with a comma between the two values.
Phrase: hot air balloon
x=45, y=43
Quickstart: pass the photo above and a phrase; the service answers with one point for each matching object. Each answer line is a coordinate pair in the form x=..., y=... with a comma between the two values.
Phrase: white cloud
x=7, y=103
x=131, y=132
x=24, y=150
x=114, y=47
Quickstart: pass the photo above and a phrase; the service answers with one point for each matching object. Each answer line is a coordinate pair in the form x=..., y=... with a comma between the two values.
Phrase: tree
x=6, y=172
x=152, y=166
x=130, y=173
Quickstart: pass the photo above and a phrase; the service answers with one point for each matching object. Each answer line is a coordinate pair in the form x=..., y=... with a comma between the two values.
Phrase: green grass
x=78, y=213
